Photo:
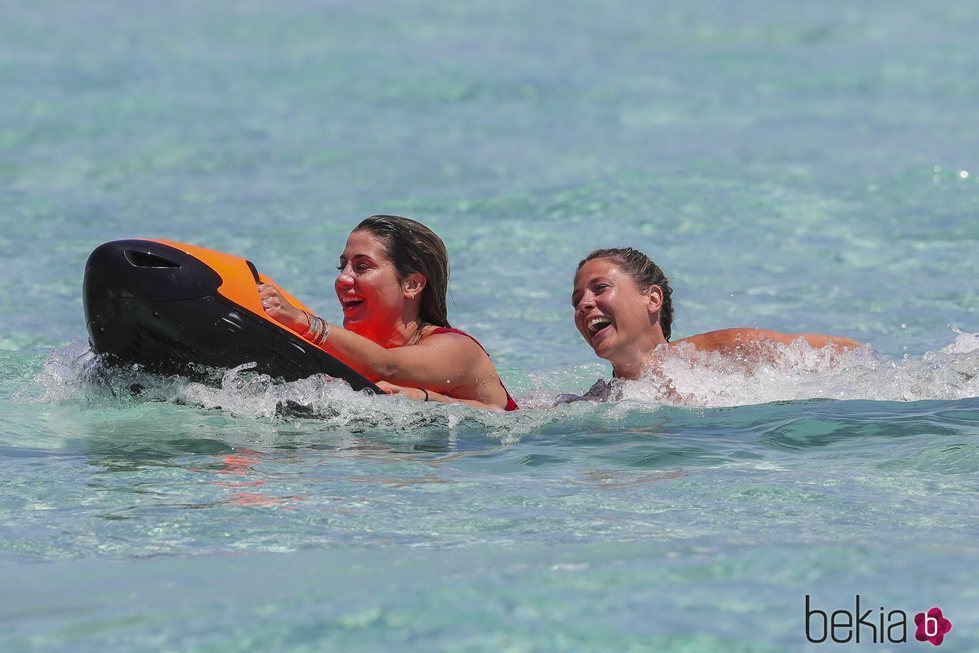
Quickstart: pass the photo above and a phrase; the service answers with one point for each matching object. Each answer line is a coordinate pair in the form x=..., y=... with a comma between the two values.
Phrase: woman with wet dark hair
x=392, y=284
x=623, y=308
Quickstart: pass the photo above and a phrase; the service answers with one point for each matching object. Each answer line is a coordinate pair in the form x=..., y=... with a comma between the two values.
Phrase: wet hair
x=413, y=247
x=645, y=273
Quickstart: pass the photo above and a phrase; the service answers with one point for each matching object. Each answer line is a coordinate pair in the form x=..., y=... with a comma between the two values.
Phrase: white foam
x=72, y=374
x=789, y=372
x=797, y=371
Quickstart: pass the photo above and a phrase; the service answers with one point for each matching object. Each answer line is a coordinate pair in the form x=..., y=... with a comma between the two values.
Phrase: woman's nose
x=586, y=303
x=344, y=278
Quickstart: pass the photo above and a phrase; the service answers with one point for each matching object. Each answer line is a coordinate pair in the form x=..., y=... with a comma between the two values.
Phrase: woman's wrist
x=309, y=323
x=317, y=329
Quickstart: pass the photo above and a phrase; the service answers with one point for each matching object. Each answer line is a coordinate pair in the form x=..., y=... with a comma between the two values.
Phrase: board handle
x=254, y=271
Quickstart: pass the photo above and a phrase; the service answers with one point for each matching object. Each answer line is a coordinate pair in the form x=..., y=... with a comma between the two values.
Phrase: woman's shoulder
x=450, y=331
x=448, y=336
x=435, y=330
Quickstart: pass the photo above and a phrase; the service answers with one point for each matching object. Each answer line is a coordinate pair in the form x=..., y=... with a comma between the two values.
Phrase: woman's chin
x=357, y=326
x=602, y=345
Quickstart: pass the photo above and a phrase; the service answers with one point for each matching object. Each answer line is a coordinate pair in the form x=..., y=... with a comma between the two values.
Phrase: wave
x=789, y=373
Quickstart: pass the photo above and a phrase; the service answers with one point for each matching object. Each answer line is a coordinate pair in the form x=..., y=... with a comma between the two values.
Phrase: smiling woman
x=392, y=282
x=623, y=308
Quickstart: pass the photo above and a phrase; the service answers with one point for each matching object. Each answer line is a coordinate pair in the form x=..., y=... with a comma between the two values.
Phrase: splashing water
x=798, y=372
x=787, y=373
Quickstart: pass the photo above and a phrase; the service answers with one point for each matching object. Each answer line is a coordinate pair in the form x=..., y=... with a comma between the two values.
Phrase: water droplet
x=936, y=169
x=903, y=325
x=963, y=174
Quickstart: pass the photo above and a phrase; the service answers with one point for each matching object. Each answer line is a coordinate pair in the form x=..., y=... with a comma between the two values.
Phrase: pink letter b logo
x=932, y=626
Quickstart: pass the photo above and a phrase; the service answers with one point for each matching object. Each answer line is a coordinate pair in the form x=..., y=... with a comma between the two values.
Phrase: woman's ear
x=654, y=299
x=414, y=284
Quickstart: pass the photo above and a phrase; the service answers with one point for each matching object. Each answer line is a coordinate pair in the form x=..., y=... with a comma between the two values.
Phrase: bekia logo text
x=877, y=626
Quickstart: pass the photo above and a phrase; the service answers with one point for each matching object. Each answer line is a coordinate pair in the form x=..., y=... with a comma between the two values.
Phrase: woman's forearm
x=364, y=355
x=422, y=394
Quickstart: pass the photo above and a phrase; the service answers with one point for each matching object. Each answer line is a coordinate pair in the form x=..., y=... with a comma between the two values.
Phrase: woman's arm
x=443, y=362
x=446, y=363
x=743, y=340
x=420, y=394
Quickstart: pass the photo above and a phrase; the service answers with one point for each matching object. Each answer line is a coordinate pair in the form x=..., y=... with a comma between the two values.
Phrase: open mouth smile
x=596, y=324
x=351, y=303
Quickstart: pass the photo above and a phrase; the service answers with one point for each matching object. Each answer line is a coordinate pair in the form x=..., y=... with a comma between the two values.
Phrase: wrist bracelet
x=317, y=331
x=314, y=333
x=309, y=323
x=324, y=332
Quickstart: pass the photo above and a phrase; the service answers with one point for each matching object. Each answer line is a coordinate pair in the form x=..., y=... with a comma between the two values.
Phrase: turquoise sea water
x=801, y=167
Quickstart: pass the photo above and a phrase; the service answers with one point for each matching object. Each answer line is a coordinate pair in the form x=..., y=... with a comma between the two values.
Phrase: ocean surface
x=804, y=167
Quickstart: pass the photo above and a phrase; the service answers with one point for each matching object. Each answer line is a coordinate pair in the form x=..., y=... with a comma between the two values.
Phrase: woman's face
x=370, y=292
x=613, y=315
